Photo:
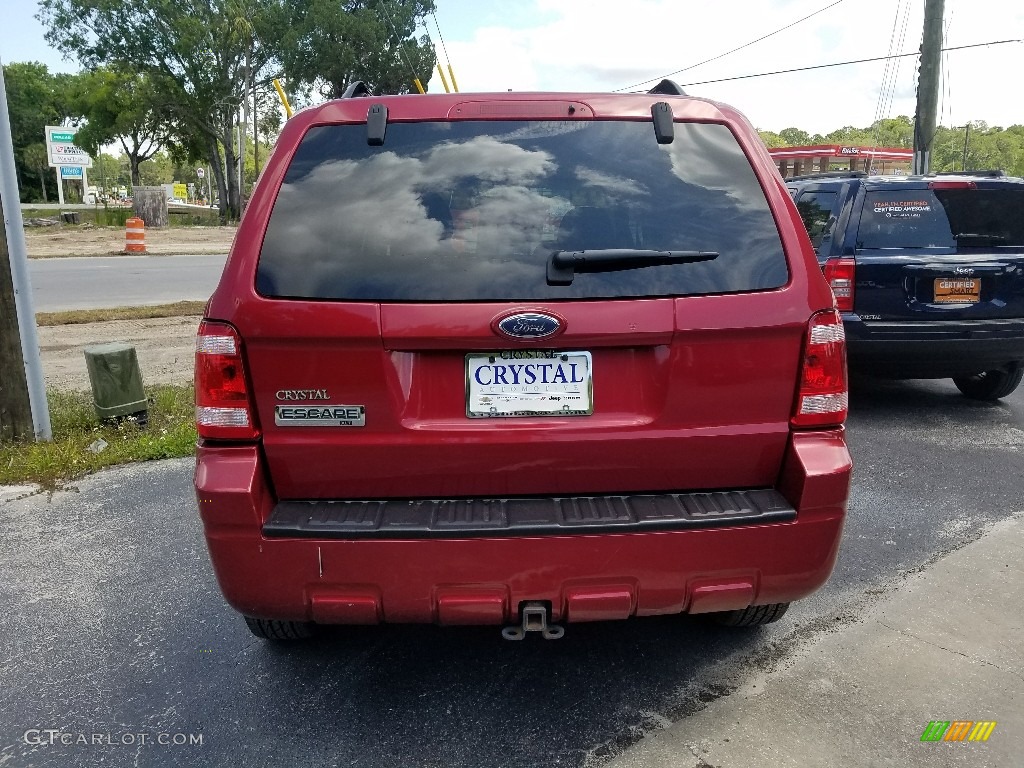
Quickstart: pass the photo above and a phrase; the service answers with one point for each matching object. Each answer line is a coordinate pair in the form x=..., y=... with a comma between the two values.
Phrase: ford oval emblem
x=529, y=325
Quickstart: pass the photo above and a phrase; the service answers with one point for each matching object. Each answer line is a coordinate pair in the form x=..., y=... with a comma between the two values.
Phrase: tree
x=107, y=173
x=771, y=139
x=329, y=44
x=794, y=137
x=159, y=169
x=35, y=160
x=851, y=136
x=893, y=132
x=199, y=56
x=35, y=99
x=123, y=106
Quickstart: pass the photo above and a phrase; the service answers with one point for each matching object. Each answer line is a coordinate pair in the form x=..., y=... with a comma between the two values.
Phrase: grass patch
x=100, y=216
x=76, y=316
x=170, y=433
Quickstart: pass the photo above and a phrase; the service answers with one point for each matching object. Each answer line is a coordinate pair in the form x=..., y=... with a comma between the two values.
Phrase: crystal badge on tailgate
x=529, y=382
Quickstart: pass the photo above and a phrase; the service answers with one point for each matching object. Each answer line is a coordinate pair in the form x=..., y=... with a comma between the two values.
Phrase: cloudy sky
x=586, y=45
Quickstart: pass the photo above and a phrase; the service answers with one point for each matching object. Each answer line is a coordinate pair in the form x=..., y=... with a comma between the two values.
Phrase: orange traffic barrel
x=135, y=235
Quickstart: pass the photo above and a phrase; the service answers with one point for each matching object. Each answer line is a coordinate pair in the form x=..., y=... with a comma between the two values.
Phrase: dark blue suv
x=928, y=272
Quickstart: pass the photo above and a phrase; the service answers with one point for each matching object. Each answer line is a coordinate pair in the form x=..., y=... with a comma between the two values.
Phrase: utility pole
x=928, y=86
x=15, y=408
x=967, y=138
x=24, y=412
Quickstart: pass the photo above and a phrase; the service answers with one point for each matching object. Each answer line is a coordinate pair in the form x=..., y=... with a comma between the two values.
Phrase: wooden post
x=928, y=86
x=15, y=406
x=150, y=205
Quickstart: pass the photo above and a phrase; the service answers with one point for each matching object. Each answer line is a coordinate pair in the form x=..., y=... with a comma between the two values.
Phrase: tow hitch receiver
x=535, y=619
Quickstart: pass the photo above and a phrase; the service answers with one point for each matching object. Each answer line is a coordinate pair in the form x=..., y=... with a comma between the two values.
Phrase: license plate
x=528, y=383
x=957, y=290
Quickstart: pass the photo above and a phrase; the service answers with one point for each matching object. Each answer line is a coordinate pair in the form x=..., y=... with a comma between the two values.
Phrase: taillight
x=823, y=398
x=223, y=406
x=840, y=273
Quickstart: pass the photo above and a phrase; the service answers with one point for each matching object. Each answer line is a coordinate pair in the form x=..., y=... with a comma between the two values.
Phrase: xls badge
x=320, y=415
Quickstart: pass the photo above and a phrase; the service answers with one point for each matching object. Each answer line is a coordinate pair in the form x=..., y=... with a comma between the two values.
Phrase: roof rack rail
x=356, y=89
x=829, y=175
x=992, y=173
x=668, y=88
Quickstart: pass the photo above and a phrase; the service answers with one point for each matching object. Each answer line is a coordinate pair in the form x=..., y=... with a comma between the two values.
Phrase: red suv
x=520, y=359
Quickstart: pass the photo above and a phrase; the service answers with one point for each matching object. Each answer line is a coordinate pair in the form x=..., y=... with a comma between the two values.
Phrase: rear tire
x=270, y=629
x=752, y=616
x=989, y=385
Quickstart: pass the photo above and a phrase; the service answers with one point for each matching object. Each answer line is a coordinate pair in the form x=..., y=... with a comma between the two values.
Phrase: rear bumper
x=932, y=348
x=484, y=579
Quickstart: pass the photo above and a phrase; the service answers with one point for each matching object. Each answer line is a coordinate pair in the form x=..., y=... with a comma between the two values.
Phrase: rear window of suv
x=473, y=210
x=960, y=218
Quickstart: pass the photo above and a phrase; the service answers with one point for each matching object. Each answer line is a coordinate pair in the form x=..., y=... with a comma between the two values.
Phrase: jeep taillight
x=839, y=273
x=223, y=406
x=823, y=398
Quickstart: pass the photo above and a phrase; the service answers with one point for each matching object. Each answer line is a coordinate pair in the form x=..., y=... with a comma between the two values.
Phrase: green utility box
x=116, y=381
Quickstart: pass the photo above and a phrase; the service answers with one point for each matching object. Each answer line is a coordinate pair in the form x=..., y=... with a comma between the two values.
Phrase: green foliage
x=330, y=44
x=980, y=148
x=170, y=433
x=159, y=169
x=112, y=217
x=198, y=57
x=772, y=139
x=987, y=148
x=794, y=137
x=189, y=64
x=35, y=99
x=121, y=105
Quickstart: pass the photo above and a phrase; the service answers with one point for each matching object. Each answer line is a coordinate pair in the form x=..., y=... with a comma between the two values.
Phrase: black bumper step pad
x=460, y=518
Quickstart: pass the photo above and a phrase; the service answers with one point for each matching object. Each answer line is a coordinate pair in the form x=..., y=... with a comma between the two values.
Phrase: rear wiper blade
x=563, y=265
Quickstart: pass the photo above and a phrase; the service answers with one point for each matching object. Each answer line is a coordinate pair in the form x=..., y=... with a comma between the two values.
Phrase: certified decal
x=321, y=415
x=902, y=209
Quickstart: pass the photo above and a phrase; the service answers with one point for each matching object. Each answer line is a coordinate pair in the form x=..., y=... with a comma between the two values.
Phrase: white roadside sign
x=61, y=149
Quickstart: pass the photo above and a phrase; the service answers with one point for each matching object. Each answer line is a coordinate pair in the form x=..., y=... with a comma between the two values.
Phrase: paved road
x=118, y=281
x=119, y=629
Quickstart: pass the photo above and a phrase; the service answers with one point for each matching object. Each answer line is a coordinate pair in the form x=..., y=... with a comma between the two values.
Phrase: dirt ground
x=165, y=347
x=86, y=240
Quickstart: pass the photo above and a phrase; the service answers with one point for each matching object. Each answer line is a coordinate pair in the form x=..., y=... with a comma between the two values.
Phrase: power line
x=891, y=74
x=946, y=94
x=401, y=47
x=441, y=38
x=713, y=58
x=845, y=63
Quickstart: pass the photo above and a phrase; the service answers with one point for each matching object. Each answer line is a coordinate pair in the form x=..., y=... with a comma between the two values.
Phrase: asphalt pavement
x=931, y=676
x=98, y=282
x=118, y=649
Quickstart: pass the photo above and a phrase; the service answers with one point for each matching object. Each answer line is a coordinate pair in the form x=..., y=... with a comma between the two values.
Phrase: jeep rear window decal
x=901, y=209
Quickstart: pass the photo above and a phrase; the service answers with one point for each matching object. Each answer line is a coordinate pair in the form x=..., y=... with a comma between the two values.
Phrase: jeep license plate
x=528, y=382
x=957, y=290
